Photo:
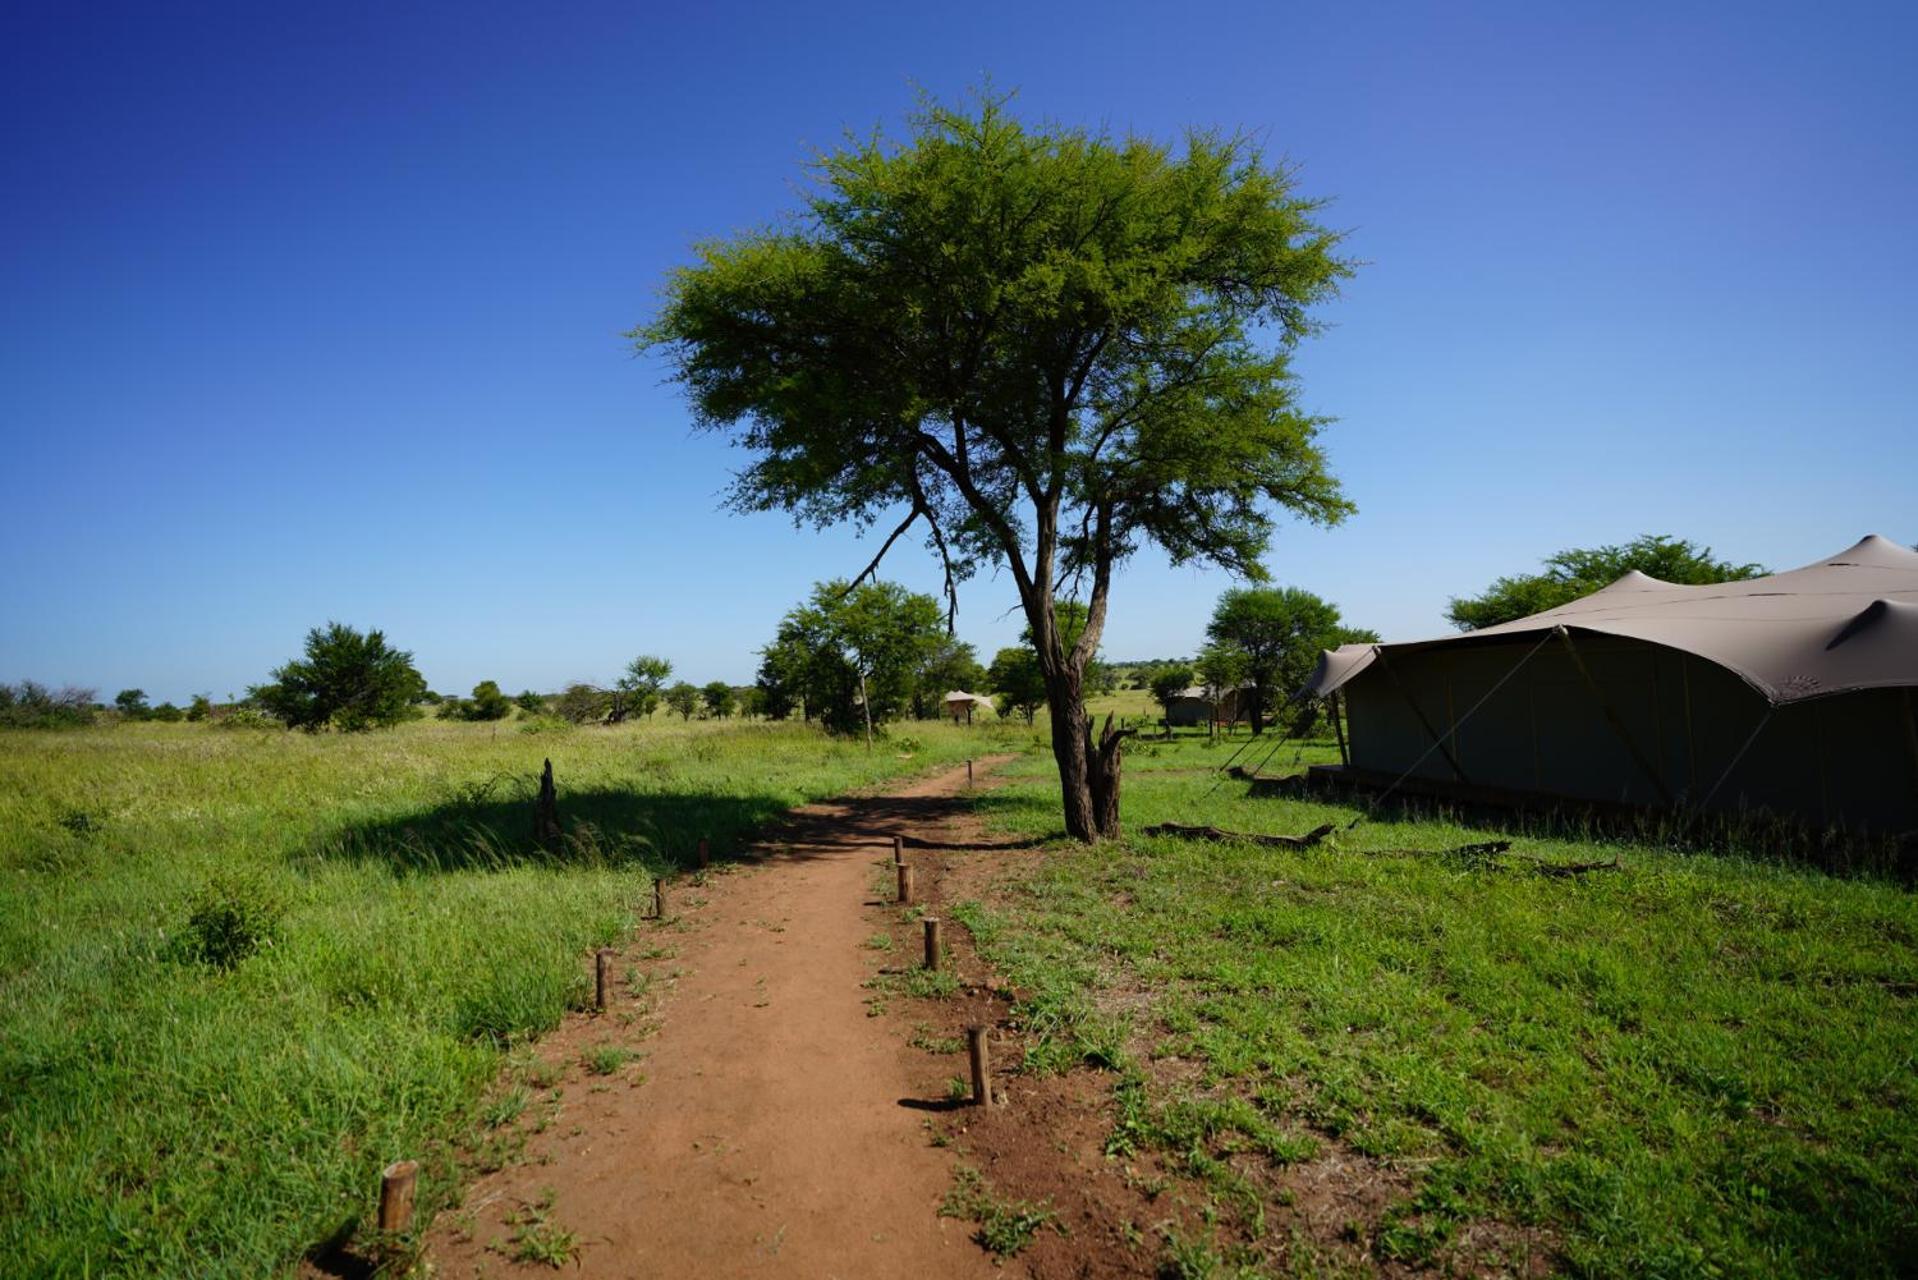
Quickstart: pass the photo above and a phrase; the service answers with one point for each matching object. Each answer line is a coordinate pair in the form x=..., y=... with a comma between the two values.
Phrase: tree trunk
x=865, y=706
x=1069, y=740
x=1104, y=759
x=1258, y=709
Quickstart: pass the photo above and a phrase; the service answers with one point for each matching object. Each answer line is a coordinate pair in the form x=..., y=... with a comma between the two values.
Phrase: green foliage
x=232, y=916
x=1272, y=637
x=199, y=709
x=683, y=697
x=531, y=703
x=347, y=681
x=1051, y=346
x=580, y=704
x=1016, y=680
x=637, y=691
x=954, y=664
x=719, y=699
x=1169, y=682
x=132, y=704
x=872, y=641
x=167, y=713
x=31, y=705
x=1579, y=572
x=487, y=703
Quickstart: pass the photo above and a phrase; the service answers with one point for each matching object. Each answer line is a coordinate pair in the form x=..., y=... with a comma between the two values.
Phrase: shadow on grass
x=658, y=830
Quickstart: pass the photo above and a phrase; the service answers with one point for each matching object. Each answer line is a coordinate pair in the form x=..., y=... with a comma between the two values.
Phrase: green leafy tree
x=168, y=713
x=953, y=664
x=348, y=681
x=132, y=704
x=1169, y=682
x=200, y=708
x=719, y=699
x=580, y=703
x=1276, y=634
x=1017, y=683
x=637, y=691
x=1579, y=572
x=529, y=702
x=854, y=652
x=683, y=698
x=752, y=701
x=1050, y=346
x=487, y=703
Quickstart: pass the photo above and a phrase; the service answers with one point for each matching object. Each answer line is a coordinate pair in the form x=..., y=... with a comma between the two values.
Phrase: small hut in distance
x=960, y=705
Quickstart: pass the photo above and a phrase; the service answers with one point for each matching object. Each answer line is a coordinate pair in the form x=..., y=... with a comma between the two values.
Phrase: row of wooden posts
x=397, y=1181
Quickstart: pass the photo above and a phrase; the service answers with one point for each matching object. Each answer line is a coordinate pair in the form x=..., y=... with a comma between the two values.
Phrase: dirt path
x=767, y=1125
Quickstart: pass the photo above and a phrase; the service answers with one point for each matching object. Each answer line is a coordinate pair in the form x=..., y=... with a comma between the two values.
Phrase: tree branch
x=872, y=570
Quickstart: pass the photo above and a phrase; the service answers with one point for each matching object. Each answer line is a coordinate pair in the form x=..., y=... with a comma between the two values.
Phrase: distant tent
x=1795, y=693
x=1199, y=705
x=960, y=705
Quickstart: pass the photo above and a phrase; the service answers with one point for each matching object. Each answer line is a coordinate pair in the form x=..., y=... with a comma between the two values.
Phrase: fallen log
x=1219, y=836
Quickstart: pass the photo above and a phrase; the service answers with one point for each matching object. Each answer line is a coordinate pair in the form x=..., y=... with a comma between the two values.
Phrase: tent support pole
x=1611, y=718
x=1338, y=726
x=1419, y=711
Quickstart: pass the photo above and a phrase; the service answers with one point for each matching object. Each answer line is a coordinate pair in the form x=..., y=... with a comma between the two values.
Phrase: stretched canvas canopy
x=1845, y=623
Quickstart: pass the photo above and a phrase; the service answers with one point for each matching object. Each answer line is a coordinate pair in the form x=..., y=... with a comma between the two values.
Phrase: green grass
x=1004, y=1226
x=241, y=971
x=1699, y=1065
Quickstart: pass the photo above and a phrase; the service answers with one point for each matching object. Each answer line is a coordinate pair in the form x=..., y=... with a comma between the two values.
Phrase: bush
x=581, y=704
x=199, y=709
x=487, y=703
x=347, y=681
x=169, y=713
x=246, y=718
x=229, y=919
x=31, y=705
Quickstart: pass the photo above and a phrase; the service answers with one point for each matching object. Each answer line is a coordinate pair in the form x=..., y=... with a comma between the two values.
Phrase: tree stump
x=546, y=828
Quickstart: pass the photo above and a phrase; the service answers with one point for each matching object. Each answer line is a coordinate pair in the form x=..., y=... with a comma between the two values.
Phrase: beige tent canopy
x=1791, y=692
x=960, y=704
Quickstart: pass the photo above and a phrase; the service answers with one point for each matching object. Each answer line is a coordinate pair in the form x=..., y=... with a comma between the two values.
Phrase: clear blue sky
x=314, y=312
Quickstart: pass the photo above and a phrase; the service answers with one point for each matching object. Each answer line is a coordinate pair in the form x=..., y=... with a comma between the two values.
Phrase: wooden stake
x=705, y=854
x=932, y=943
x=602, y=977
x=396, y=1196
x=981, y=1067
x=659, y=899
x=898, y=850
x=905, y=883
x=968, y=773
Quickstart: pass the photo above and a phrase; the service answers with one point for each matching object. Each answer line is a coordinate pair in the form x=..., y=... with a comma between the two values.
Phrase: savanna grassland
x=1693, y=1065
x=241, y=970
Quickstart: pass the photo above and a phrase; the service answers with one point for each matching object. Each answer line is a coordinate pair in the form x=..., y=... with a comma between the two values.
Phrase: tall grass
x=163, y=1115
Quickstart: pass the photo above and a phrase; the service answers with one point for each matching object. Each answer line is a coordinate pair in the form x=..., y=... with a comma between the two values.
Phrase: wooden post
x=905, y=883
x=705, y=854
x=898, y=850
x=396, y=1196
x=602, y=977
x=968, y=773
x=981, y=1067
x=932, y=943
x=659, y=898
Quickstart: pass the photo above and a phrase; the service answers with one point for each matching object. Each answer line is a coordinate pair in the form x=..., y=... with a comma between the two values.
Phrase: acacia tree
x=637, y=690
x=348, y=681
x=1050, y=346
x=1272, y=637
x=1583, y=570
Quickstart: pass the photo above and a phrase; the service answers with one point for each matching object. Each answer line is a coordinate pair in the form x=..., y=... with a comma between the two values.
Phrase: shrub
x=581, y=704
x=347, y=681
x=200, y=708
x=487, y=703
x=229, y=919
x=168, y=712
x=31, y=705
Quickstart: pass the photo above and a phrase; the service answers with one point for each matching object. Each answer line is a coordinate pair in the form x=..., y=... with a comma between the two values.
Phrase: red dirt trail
x=771, y=1131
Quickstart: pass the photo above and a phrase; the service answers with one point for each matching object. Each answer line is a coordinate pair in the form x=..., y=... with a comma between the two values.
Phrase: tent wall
x=1846, y=760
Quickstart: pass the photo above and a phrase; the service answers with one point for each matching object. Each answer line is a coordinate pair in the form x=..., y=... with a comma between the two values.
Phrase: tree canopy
x=1049, y=347
x=348, y=681
x=637, y=691
x=854, y=654
x=1271, y=637
x=1581, y=571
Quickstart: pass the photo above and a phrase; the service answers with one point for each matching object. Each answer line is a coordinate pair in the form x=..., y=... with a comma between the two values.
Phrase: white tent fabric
x=1844, y=623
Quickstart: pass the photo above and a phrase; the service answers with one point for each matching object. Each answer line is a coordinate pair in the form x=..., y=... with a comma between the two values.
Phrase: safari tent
x=960, y=705
x=1795, y=694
